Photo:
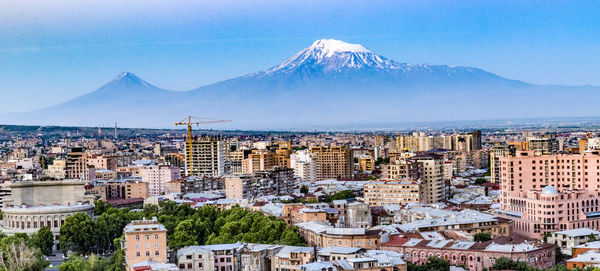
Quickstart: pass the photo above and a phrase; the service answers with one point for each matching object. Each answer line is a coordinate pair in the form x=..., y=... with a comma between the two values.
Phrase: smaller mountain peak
x=330, y=46
x=127, y=79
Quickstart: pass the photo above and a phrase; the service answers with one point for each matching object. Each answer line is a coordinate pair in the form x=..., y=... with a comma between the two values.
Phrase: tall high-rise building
x=208, y=157
x=547, y=144
x=546, y=193
x=476, y=141
x=77, y=167
x=332, y=162
x=303, y=166
x=497, y=151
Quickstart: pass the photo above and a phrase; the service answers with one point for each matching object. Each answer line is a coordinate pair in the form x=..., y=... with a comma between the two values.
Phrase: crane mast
x=189, y=124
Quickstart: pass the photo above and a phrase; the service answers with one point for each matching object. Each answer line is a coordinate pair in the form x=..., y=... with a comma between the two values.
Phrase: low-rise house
x=590, y=258
x=568, y=239
x=323, y=235
x=223, y=257
x=474, y=255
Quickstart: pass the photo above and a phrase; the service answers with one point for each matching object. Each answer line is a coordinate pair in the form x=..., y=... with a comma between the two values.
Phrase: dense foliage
x=345, y=194
x=185, y=226
x=19, y=252
x=482, y=237
x=432, y=264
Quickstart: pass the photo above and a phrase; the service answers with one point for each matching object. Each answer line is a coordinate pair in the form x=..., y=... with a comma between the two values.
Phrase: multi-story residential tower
x=428, y=169
x=332, y=162
x=77, y=164
x=497, y=151
x=208, y=157
x=546, y=193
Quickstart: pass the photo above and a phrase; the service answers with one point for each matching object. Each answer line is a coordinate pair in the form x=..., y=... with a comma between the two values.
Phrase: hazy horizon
x=56, y=51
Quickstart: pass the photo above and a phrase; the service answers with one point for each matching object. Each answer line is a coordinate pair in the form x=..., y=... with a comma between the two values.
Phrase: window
x=147, y=237
x=156, y=253
x=156, y=236
x=137, y=237
x=148, y=253
x=137, y=254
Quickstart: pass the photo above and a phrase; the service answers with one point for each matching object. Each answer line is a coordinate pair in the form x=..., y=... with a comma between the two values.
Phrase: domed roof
x=549, y=190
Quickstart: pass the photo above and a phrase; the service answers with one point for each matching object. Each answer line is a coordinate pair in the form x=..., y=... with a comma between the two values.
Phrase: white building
x=303, y=165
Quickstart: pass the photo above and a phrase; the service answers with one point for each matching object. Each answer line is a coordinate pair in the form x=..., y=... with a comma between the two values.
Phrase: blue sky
x=51, y=51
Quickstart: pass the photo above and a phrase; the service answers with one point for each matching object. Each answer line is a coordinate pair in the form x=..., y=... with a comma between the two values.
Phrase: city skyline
x=60, y=51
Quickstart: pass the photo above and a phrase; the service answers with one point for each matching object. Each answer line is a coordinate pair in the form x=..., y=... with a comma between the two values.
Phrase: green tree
x=592, y=237
x=504, y=263
x=78, y=234
x=16, y=255
x=100, y=207
x=44, y=240
x=345, y=194
x=482, y=237
x=185, y=235
x=559, y=256
x=480, y=181
x=78, y=263
x=304, y=189
x=432, y=264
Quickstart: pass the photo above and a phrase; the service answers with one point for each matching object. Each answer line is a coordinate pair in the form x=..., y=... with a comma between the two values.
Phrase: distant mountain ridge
x=331, y=82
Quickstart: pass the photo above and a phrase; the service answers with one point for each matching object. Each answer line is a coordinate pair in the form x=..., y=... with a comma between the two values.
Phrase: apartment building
x=546, y=193
x=496, y=152
x=303, y=166
x=207, y=157
x=223, y=257
x=380, y=193
x=279, y=181
x=157, y=176
x=145, y=240
x=120, y=189
x=76, y=165
x=428, y=169
x=258, y=160
x=332, y=162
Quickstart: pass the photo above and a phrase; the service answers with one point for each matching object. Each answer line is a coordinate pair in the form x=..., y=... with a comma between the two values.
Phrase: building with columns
x=34, y=204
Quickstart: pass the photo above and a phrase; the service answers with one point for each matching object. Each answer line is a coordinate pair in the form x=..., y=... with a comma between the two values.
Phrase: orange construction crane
x=189, y=124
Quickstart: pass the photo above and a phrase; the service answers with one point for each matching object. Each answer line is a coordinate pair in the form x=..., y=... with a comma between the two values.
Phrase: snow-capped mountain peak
x=332, y=56
x=331, y=46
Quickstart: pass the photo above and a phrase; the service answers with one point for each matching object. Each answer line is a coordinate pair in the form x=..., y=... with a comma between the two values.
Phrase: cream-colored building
x=427, y=169
x=58, y=169
x=380, y=193
x=145, y=240
x=332, y=162
x=34, y=204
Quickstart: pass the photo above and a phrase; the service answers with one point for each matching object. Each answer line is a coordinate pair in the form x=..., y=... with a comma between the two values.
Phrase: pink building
x=157, y=176
x=546, y=193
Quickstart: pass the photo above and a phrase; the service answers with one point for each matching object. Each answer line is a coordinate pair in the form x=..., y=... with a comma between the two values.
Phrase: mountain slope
x=328, y=83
